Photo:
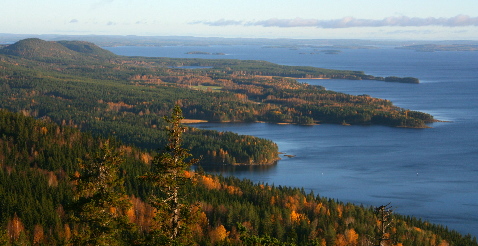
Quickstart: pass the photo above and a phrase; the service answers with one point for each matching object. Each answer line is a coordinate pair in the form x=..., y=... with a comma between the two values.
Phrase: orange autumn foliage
x=218, y=234
x=146, y=158
x=210, y=183
x=15, y=227
x=140, y=213
x=341, y=240
x=340, y=210
x=351, y=236
x=297, y=217
x=38, y=234
x=233, y=190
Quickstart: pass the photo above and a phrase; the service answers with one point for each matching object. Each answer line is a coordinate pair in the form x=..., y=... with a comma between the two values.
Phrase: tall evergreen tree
x=168, y=174
x=100, y=201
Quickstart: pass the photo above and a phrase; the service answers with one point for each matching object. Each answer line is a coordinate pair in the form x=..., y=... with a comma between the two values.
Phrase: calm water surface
x=429, y=173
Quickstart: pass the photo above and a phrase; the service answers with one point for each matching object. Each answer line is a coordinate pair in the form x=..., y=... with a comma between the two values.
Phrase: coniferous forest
x=79, y=84
x=93, y=152
x=63, y=187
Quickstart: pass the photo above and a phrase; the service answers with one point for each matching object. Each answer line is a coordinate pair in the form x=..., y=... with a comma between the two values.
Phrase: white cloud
x=221, y=22
x=349, y=22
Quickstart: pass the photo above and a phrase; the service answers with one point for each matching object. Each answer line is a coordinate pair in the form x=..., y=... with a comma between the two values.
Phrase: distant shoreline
x=306, y=78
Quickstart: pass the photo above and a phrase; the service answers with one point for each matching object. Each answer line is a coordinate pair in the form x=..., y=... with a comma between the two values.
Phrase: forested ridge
x=79, y=84
x=44, y=167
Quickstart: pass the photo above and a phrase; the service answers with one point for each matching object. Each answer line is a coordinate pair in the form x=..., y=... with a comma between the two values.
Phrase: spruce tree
x=100, y=202
x=168, y=175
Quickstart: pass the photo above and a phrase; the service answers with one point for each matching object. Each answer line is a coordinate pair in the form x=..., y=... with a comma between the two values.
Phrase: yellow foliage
x=117, y=106
x=218, y=234
x=210, y=183
x=126, y=149
x=417, y=229
x=294, y=216
x=15, y=227
x=340, y=209
x=318, y=208
x=188, y=174
x=67, y=232
x=142, y=215
x=146, y=158
x=233, y=190
x=297, y=217
x=44, y=130
x=341, y=240
x=444, y=243
x=273, y=200
x=351, y=236
x=38, y=234
x=292, y=202
x=130, y=214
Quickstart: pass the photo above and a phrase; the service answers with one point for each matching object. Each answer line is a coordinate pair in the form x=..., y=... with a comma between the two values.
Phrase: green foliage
x=36, y=158
x=4, y=237
x=169, y=175
x=33, y=195
x=279, y=215
x=50, y=51
x=79, y=84
x=252, y=240
x=100, y=201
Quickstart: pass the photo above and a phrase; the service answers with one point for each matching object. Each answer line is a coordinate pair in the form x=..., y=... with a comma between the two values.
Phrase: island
x=204, y=53
x=440, y=47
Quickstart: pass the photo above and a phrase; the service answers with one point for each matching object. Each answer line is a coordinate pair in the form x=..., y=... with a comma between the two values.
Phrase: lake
x=429, y=173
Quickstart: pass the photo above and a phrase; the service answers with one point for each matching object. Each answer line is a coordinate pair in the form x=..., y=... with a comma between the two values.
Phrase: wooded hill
x=39, y=164
x=81, y=85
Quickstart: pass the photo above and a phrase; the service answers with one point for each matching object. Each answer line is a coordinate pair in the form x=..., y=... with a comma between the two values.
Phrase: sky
x=315, y=19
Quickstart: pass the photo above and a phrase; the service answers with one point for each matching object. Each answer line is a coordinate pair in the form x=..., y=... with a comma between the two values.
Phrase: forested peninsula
x=79, y=84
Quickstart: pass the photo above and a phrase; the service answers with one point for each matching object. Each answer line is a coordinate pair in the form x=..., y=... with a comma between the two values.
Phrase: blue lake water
x=429, y=173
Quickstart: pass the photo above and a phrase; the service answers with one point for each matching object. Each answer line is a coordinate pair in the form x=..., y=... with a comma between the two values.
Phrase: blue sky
x=363, y=19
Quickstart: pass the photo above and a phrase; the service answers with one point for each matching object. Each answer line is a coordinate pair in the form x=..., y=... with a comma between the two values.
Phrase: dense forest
x=86, y=157
x=81, y=85
x=53, y=192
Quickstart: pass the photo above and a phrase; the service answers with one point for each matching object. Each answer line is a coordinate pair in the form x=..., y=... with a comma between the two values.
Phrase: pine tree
x=168, y=174
x=100, y=202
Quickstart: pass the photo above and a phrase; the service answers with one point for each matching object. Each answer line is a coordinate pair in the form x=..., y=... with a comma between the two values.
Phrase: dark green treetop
x=100, y=201
x=168, y=173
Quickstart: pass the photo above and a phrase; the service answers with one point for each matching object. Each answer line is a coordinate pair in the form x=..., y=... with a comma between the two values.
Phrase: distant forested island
x=204, y=53
x=441, y=47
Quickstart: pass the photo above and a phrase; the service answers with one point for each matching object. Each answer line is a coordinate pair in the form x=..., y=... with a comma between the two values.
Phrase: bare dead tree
x=384, y=214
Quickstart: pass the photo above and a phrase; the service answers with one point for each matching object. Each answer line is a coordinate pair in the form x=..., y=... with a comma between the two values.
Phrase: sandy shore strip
x=192, y=121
